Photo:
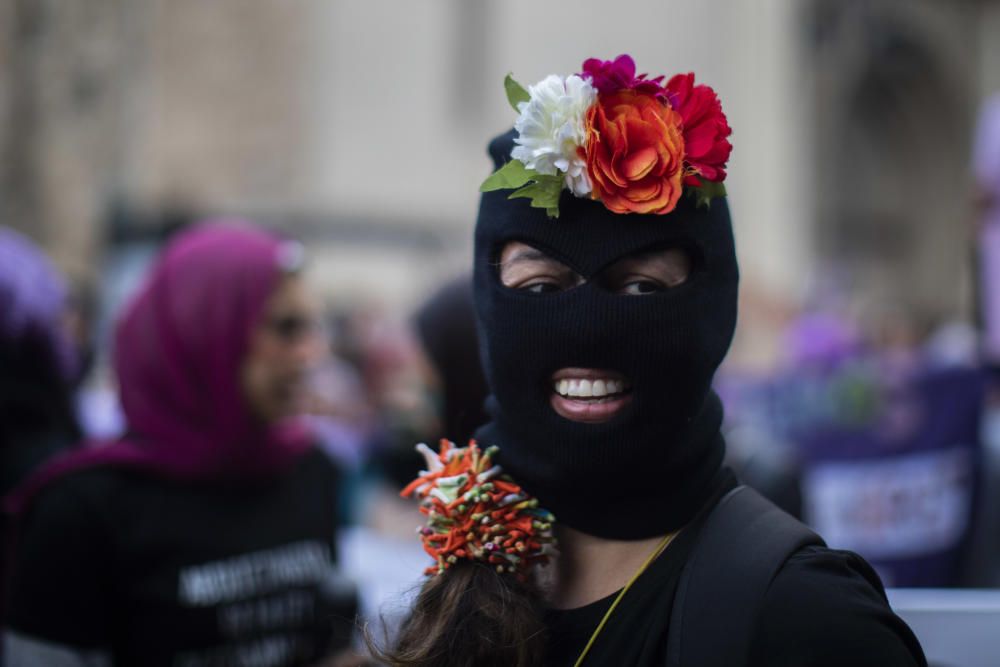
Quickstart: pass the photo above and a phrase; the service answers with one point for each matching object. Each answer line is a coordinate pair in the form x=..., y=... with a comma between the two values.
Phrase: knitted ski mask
x=649, y=468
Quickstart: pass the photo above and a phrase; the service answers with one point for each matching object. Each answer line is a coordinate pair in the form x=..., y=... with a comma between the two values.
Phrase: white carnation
x=552, y=126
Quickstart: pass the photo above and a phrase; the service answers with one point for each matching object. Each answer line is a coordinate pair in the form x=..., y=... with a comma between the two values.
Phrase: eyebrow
x=527, y=255
x=658, y=255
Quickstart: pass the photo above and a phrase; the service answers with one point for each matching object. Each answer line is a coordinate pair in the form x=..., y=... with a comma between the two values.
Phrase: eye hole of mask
x=524, y=267
x=648, y=271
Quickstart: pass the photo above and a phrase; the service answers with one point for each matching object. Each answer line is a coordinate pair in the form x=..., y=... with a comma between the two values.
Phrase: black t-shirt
x=145, y=571
x=824, y=608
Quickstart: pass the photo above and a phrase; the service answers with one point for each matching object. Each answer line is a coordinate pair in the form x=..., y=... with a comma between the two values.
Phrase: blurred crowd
x=252, y=441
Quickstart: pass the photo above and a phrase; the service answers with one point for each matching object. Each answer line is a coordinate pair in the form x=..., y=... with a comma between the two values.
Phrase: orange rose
x=635, y=153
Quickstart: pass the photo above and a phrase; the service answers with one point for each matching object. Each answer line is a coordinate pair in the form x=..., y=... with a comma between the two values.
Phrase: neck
x=591, y=568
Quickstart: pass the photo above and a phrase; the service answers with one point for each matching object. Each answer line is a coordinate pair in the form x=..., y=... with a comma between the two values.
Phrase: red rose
x=706, y=130
x=634, y=152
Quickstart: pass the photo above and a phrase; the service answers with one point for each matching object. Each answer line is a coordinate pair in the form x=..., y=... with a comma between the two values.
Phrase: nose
x=307, y=348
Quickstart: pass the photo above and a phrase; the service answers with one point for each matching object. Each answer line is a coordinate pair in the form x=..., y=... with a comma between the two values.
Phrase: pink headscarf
x=178, y=352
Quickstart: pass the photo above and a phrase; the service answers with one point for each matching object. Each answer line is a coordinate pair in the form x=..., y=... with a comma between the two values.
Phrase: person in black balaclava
x=600, y=331
x=663, y=450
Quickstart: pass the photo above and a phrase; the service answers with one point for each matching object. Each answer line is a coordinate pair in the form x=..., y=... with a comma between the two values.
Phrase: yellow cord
x=659, y=550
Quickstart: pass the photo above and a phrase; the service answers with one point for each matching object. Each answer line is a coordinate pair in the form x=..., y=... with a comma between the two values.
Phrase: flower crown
x=630, y=142
x=476, y=512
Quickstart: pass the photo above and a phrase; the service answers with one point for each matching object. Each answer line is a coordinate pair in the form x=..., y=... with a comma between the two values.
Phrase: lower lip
x=589, y=412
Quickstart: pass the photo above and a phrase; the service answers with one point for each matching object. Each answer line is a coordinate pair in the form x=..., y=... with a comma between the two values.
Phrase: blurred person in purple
x=38, y=361
x=882, y=429
x=986, y=171
x=205, y=535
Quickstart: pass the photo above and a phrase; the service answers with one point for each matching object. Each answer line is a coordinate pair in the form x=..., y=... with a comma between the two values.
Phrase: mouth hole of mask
x=651, y=270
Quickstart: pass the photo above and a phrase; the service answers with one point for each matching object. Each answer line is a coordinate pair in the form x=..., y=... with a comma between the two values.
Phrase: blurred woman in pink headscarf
x=205, y=536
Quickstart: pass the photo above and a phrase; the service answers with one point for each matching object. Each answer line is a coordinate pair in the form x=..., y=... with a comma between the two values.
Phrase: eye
x=648, y=272
x=525, y=268
x=637, y=287
x=541, y=287
x=292, y=326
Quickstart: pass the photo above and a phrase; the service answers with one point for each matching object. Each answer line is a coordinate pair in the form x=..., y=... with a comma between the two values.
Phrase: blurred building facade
x=896, y=88
x=361, y=125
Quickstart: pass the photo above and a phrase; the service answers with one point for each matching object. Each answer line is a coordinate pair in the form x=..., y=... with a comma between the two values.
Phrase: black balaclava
x=650, y=468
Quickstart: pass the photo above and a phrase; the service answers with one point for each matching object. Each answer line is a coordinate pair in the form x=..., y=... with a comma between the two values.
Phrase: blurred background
x=859, y=206
x=360, y=127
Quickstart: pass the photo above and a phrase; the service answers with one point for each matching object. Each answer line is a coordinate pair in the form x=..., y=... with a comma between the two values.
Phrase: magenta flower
x=610, y=76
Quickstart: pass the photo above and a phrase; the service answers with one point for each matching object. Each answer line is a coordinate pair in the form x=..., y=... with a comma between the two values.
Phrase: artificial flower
x=616, y=136
x=551, y=129
x=706, y=130
x=610, y=76
x=635, y=153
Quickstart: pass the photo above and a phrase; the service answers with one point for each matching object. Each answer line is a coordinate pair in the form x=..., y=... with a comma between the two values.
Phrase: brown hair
x=471, y=616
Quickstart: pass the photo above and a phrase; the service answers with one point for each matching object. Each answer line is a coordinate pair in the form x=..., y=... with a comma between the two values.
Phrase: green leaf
x=707, y=191
x=512, y=175
x=515, y=92
x=543, y=193
x=542, y=190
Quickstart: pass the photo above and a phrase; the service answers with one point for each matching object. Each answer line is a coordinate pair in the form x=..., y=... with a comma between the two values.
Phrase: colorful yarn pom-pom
x=476, y=512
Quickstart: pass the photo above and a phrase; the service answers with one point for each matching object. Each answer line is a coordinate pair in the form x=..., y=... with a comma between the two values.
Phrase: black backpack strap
x=744, y=542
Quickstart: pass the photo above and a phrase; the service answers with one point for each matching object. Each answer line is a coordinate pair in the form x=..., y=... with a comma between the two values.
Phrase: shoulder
x=79, y=498
x=315, y=465
x=317, y=475
x=828, y=607
x=64, y=549
x=69, y=522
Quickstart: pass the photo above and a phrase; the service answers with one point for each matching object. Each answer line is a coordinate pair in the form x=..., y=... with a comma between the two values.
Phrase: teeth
x=585, y=388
